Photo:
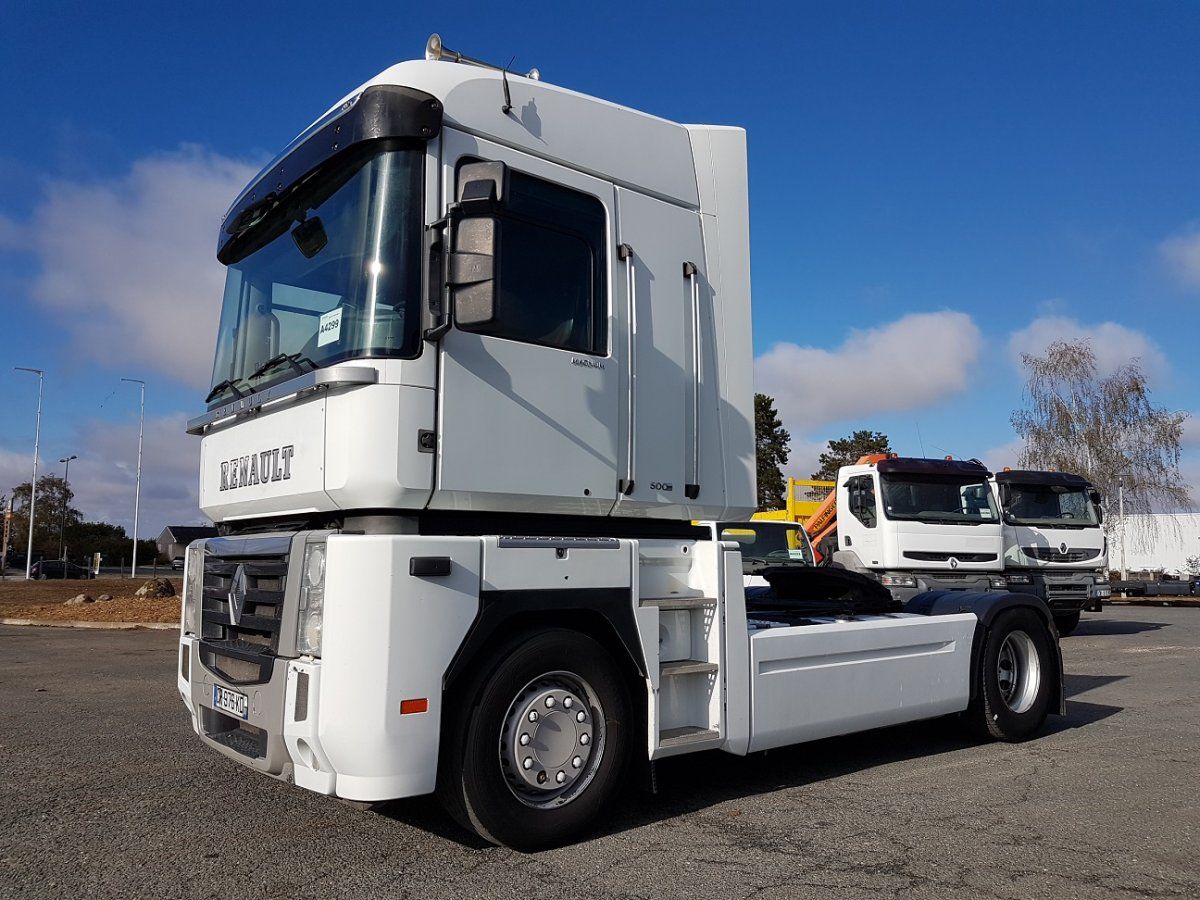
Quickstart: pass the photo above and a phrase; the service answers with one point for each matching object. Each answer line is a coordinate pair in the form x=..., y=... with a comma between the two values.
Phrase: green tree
x=53, y=497
x=847, y=451
x=771, y=452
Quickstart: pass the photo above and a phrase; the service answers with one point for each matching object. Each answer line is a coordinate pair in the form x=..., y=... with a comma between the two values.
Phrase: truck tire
x=1066, y=622
x=539, y=742
x=1016, y=676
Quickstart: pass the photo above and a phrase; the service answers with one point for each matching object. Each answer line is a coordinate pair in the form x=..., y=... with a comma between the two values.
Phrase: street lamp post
x=37, y=434
x=1121, y=513
x=137, y=490
x=62, y=524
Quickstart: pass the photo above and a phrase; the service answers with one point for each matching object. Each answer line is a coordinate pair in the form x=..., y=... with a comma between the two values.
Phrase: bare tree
x=1103, y=427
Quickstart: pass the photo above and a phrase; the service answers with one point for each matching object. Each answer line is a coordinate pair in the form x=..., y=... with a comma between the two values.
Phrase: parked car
x=57, y=568
x=177, y=563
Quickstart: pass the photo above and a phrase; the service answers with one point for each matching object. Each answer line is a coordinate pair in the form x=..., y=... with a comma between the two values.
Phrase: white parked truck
x=914, y=524
x=484, y=355
x=1054, y=546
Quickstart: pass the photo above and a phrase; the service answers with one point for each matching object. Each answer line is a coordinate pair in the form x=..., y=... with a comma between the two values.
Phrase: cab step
x=686, y=667
x=678, y=602
x=688, y=734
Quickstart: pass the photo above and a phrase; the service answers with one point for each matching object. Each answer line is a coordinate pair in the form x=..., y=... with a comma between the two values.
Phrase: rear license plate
x=231, y=702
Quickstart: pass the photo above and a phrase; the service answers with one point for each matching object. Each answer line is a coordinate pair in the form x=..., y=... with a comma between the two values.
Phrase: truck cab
x=920, y=525
x=1054, y=545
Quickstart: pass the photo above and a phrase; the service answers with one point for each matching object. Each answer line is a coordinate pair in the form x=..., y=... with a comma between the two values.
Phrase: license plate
x=231, y=702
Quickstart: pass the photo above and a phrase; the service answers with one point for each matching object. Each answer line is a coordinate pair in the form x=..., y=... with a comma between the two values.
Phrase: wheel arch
x=987, y=606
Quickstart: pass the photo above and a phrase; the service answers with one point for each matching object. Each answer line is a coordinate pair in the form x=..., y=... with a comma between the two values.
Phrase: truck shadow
x=691, y=783
x=1101, y=627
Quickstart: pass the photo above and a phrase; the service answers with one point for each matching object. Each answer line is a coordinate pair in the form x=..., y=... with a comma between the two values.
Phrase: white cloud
x=1114, y=344
x=1006, y=454
x=130, y=264
x=1181, y=253
x=910, y=363
x=103, y=476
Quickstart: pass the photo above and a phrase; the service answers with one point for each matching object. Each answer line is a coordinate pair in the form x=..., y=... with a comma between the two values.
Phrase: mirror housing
x=1094, y=496
x=472, y=266
x=472, y=275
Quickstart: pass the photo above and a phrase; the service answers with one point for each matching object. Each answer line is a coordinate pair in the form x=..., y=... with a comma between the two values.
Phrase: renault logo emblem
x=1062, y=548
x=953, y=563
x=237, y=594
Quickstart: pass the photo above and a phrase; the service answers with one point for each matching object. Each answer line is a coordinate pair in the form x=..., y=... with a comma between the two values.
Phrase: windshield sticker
x=330, y=328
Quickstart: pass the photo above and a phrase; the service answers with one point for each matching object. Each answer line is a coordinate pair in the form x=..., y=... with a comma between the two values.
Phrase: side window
x=862, y=499
x=550, y=268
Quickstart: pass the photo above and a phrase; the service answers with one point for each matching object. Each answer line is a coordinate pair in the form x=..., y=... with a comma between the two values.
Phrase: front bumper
x=337, y=725
x=975, y=582
x=1064, y=591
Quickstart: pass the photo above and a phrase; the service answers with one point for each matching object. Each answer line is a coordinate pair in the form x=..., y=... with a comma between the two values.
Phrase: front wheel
x=1016, y=676
x=1066, y=623
x=540, y=742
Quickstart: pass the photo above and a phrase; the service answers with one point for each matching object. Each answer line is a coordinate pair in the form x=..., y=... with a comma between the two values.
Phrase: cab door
x=527, y=404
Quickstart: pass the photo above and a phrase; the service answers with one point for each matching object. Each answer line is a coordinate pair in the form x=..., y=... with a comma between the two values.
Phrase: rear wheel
x=540, y=741
x=1015, y=676
x=1066, y=622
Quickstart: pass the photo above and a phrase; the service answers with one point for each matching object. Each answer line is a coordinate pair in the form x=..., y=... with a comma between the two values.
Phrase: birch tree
x=1103, y=427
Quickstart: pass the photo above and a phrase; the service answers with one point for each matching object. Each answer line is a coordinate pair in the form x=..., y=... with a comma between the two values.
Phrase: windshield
x=938, y=498
x=334, y=275
x=774, y=543
x=1049, y=505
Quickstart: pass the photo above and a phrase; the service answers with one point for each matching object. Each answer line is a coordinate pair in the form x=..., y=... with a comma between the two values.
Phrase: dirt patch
x=16, y=591
x=123, y=609
x=44, y=600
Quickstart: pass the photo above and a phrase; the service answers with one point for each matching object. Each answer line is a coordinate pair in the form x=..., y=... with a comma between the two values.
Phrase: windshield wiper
x=293, y=359
x=229, y=384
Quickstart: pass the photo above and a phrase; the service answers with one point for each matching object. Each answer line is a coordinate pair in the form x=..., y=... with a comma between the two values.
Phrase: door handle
x=625, y=485
x=691, y=490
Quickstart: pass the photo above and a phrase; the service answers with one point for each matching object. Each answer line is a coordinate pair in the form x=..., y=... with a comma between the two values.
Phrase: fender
x=613, y=607
x=986, y=606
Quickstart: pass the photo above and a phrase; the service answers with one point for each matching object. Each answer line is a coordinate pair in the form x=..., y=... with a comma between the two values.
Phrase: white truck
x=915, y=524
x=483, y=358
x=1054, y=545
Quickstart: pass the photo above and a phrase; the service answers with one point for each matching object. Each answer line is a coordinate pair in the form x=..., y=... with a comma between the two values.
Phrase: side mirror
x=1005, y=495
x=471, y=276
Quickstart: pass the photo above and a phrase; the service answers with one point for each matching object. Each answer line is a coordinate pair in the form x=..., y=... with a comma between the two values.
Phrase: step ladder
x=677, y=597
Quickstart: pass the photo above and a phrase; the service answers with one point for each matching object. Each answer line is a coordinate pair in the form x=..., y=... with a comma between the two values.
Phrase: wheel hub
x=1018, y=671
x=549, y=748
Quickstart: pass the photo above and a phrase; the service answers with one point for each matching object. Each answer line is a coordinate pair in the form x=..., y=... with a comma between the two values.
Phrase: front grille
x=1067, y=591
x=931, y=556
x=1049, y=554
x=242, y=652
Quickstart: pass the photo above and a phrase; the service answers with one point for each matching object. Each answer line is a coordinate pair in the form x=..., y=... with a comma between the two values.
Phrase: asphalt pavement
x=105, y=792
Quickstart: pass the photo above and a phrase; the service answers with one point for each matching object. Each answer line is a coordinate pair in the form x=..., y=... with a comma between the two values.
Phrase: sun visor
x=1052, y=479
x=908, y=465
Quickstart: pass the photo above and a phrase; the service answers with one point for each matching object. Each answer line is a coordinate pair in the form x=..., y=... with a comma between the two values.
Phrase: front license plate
x=231, y=702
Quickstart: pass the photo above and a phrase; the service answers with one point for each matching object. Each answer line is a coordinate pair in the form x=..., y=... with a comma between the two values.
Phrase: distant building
x=175, y=538
x=1158, y=543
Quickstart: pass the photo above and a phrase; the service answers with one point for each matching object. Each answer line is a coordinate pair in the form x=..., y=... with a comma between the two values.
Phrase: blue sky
x=934, y=187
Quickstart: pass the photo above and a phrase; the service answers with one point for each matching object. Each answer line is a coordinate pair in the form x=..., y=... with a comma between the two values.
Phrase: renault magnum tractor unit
x=484, y=357
x=1054, y=546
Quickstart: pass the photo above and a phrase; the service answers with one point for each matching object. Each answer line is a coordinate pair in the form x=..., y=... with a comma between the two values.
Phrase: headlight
x=312, y=600
x=193, y=588
x=898, y=580
x=997, y=583
x=1019, y=579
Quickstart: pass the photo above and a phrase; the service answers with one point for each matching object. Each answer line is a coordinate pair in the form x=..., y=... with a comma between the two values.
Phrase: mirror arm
x=438, y=241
